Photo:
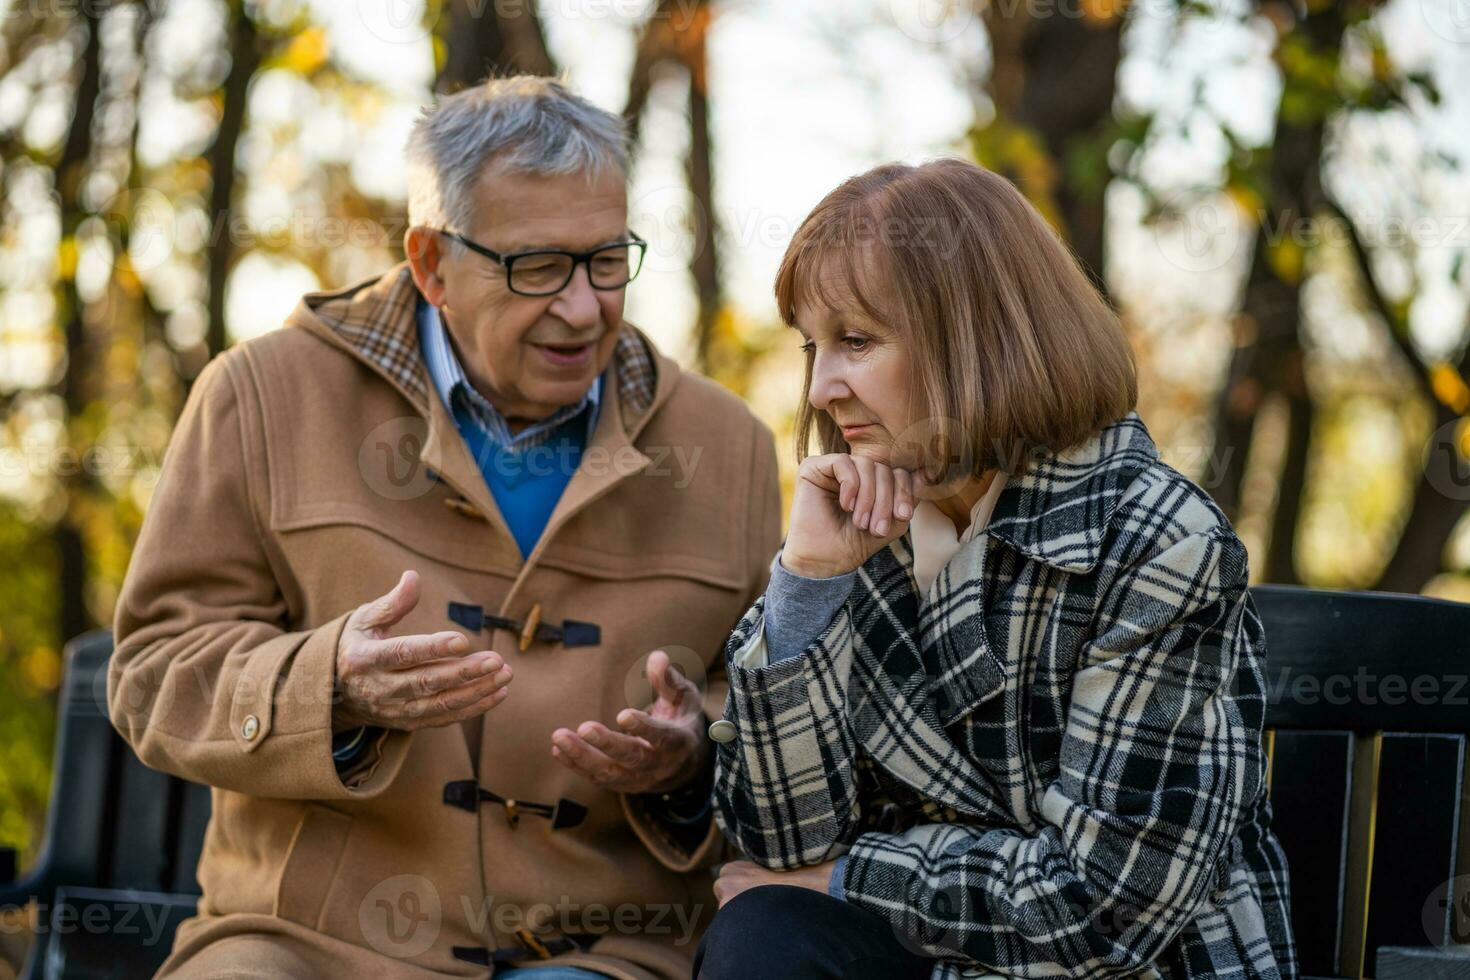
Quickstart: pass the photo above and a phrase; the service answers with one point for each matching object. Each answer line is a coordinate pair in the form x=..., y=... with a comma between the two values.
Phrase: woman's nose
x=828, y=385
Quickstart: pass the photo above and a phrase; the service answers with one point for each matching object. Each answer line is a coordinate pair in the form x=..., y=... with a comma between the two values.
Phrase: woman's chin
x=884, y=452
x=877, y=452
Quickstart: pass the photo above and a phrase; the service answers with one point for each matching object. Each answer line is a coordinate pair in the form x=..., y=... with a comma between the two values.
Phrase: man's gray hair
x=524, y=124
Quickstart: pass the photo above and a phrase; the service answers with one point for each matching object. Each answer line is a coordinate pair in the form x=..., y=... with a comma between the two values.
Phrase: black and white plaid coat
x=1051, y=766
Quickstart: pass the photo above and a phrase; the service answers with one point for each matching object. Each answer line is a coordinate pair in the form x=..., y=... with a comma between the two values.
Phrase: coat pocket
x=311, y=865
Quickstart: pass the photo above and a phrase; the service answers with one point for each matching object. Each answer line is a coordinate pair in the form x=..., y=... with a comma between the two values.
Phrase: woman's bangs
x=807, y=277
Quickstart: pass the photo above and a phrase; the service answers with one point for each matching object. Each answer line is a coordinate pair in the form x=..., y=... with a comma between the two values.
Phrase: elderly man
x=434, y=586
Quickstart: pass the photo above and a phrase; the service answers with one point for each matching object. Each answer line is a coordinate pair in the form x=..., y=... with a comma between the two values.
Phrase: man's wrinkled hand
x=410, y=682
x=655, y=751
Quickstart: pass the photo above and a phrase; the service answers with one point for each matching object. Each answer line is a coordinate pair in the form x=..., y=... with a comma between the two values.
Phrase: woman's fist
x=845, y=509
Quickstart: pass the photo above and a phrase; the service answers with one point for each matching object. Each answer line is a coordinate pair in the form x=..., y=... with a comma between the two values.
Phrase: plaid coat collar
x=1058, y=511
x=374, y=320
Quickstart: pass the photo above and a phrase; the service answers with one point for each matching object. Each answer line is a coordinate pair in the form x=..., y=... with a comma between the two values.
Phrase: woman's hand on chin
x=845, y=509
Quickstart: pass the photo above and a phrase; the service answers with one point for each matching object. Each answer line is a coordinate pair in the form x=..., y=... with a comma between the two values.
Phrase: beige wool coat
x=309, y=468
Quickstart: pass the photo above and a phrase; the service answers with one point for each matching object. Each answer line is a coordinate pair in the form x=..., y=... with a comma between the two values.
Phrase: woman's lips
x=566, y=355
x=848, y=431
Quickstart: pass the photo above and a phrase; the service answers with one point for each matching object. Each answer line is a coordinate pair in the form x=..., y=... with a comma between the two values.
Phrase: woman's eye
x=855, y=343
x=808, y=347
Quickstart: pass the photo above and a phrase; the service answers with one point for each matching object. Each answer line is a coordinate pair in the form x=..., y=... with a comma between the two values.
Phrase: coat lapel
x=892, y=703
x=374, y=322
x=935, y=659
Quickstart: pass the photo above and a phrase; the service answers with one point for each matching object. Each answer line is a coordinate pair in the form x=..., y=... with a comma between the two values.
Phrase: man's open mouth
x=565, y=354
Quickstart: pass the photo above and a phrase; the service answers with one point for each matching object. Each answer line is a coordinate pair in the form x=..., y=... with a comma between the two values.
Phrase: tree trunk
x=245, y=56
x=704, y=265
x=482, y=42
x=152, y=328
x=74, y=617
x=1433, y=513
x=1055, y=75
x=657, y=42
x=678, y=36
x=1268, y=355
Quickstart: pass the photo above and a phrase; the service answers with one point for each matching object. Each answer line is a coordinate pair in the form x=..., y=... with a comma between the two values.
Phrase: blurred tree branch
x=1432, y=516
x=245, y=59
x=675, y=36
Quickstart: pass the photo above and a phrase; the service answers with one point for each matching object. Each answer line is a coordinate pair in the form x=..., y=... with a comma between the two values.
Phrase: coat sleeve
x=1160, y=757
x=763, y=541
x=206, y=680
x=785, y=791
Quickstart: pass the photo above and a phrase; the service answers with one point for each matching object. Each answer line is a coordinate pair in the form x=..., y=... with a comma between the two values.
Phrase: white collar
x=932, y=535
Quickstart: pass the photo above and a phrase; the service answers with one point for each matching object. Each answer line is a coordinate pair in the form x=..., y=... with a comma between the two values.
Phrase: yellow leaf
x=307, y=51
x=126, y=276
x=42, y=667
x=1382, y=65
x=1449, y=387
x=66, y=258
x=1103, y=11
x=1286, y=257
x=1246, y=201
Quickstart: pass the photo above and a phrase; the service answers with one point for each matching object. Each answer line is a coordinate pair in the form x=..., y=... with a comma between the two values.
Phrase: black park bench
x=1368, y=708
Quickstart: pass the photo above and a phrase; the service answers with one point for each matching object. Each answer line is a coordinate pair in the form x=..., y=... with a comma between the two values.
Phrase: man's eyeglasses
x=545, y=271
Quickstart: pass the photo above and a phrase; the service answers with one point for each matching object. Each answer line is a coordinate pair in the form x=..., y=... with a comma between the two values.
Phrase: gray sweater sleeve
x=799, y=609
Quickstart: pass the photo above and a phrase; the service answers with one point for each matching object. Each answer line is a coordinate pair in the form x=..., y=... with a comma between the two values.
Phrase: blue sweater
x=526, y=472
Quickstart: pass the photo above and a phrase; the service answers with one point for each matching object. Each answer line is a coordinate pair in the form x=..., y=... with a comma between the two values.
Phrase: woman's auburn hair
x=1013, y=348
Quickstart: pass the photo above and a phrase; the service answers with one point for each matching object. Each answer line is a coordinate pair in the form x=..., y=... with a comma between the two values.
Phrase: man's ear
x=423, y=247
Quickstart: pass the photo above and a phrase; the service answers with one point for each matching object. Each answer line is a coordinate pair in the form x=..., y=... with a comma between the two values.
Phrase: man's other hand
x=657, y=750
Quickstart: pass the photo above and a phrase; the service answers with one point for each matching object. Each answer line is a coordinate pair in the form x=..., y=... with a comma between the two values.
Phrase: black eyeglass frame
x=578, y=258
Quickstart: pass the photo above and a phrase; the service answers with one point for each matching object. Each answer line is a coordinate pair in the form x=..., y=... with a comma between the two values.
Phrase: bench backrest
x=1368, y=707
x=112, y=821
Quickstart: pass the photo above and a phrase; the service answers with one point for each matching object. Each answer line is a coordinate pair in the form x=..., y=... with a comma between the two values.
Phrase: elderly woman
x=1000, y=708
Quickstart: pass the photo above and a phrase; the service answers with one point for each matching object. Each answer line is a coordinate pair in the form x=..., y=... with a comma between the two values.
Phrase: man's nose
x=577, y=302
